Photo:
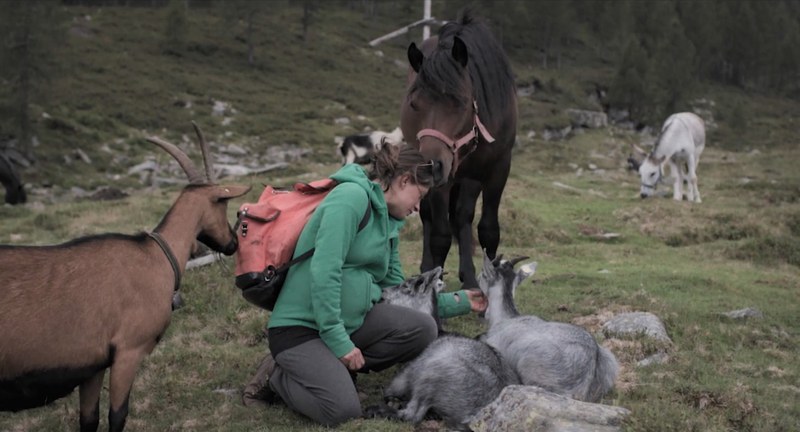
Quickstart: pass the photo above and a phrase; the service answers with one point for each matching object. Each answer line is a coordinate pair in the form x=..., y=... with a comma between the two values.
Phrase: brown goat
x=70, y=311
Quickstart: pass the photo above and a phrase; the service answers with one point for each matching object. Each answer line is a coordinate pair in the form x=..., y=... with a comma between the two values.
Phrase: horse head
x=439, y=115
x=650, y=170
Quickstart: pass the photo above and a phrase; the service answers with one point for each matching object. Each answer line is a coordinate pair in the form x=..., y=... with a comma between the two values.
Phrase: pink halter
x=477, y=129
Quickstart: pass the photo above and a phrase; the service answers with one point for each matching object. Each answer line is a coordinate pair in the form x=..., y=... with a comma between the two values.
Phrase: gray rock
x=655, y=359
x=533, y=409
x=632, y=324
x=587, y=119
x=743, y=314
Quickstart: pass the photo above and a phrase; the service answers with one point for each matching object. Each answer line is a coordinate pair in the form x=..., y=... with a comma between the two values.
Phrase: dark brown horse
x=460, y=110
x=15, y=192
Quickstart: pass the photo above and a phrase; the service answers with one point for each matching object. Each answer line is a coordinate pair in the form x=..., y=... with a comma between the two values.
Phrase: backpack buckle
x=269, y=273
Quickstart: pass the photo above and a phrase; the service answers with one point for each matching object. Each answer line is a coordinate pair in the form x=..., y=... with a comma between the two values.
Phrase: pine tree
x=249, y=12
x=673, y=74
x=176, y=26
x=629, y=89
x=701, y=25
x=30, y=31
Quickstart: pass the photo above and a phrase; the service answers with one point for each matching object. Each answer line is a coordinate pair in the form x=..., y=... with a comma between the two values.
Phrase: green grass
x=722, y=374
x=684, y=262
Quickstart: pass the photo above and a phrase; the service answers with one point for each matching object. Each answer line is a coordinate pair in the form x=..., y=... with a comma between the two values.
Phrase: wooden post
x=426, y=31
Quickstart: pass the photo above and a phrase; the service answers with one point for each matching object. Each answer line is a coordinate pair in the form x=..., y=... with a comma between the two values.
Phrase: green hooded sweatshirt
x=334, y=289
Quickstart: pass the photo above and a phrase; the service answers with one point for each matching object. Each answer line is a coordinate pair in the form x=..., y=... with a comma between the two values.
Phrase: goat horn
x=497, y=260
x=516, y=260
x=206, y=154
x=180, y=156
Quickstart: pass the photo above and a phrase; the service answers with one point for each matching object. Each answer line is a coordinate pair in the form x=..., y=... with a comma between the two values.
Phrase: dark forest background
x=646, y=58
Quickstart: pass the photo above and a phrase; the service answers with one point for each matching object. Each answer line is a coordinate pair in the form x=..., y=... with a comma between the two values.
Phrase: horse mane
x=488, y=65
x=439, y=77
x=660, y=136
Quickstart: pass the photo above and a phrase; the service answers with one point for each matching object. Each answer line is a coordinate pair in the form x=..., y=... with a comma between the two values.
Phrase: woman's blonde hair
x=392, y=161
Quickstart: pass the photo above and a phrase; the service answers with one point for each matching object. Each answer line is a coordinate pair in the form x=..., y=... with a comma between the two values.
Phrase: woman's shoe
x=257, y=392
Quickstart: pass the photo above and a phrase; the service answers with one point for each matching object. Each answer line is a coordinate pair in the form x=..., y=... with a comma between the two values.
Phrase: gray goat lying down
x=419, y=293
x=453, y=378
x=559, y=357
x=68, y=312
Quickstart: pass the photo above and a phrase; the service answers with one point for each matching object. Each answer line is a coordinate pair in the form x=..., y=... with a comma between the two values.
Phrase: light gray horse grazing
x=454, y=377
x=559, y=357
x=681, y=141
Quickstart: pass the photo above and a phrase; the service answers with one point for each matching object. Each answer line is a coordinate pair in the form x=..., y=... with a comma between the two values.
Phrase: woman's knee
x=427, y=332
x=341, y=412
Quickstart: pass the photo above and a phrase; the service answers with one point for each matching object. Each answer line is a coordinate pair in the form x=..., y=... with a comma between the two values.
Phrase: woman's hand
x=353, y=360
x=477, y=301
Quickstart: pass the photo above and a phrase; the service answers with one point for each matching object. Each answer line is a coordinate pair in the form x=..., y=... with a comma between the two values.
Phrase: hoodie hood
x=355, y=173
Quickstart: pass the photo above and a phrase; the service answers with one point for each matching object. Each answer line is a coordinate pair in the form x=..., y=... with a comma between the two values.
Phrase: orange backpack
x=267, y=232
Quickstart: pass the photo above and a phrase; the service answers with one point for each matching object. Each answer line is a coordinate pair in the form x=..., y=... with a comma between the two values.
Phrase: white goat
x=360, y=148
x=68, y=312
x=559, y=357
x=681, y=141
x=454, y=377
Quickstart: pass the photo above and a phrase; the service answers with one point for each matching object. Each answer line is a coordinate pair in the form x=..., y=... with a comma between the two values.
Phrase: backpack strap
x=307, y=254
x=365, y=218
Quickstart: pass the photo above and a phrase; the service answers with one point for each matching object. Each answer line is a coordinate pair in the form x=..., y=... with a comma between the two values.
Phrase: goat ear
x=231, y=191
x=415, y=57
x=486, y=261
x=524, y=272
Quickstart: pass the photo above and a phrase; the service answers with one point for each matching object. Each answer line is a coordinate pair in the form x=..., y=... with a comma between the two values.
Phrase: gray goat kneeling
x=454, y=377
x=559, y=357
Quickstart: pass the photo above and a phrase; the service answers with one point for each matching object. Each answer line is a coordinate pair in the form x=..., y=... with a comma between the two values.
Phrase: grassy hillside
x=685, y=262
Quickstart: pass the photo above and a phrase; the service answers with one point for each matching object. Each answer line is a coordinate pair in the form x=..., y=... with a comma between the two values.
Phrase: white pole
x=426, y=31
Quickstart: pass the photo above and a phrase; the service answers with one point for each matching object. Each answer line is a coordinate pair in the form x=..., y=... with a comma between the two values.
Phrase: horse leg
x=677, y=184
x=462, y=214
x=692, y=164
x=687, y=182
x=435, y=229
x=489, y=225
x=89, y=395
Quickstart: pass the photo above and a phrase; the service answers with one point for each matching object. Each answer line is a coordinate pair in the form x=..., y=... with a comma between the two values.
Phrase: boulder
x=632, y=324
x=533, y=409
x=587, y=119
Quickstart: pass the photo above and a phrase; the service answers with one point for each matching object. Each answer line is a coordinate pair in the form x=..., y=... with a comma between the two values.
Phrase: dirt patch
x=594, y=322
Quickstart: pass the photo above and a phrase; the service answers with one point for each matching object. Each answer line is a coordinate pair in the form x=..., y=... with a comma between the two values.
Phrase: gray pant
x=313, y=382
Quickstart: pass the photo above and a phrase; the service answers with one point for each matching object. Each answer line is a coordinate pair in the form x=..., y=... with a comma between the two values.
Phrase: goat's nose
x=643, y=195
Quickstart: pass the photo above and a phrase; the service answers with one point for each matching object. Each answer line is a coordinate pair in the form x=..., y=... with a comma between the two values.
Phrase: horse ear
x=459, y=51
x=415, y=57
x=633, y=164
x=639, y=150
